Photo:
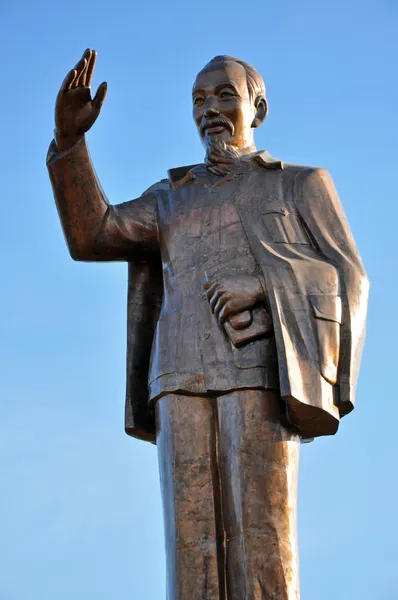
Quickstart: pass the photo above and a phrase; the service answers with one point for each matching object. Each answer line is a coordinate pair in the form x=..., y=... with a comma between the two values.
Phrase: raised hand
x=75, y=110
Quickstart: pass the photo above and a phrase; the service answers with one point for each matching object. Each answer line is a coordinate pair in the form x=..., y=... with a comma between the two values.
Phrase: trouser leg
x=258, y=460
x=186, y=442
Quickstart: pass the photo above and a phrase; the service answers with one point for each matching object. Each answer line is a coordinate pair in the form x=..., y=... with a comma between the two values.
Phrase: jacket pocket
x=284, y=226
x=327, y=311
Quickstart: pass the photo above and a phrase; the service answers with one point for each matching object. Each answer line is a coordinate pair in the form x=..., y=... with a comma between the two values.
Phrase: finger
x=207, y=285
x=211, y=290
x=81, y=78
x=90, y=68
x=225, y=312
x=100, y=96
x=83, y=74
x=68, y=81
x=220, y=304
x=214, y=299
x=86, y=55
x=80, y=65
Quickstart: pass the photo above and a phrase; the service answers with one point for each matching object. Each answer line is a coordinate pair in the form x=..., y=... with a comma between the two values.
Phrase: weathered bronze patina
x=246, y=319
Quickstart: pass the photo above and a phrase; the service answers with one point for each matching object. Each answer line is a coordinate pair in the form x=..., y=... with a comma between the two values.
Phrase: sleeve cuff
x=54, y=154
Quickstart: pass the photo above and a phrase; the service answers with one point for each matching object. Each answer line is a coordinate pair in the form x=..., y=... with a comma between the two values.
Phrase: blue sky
x=80, y=502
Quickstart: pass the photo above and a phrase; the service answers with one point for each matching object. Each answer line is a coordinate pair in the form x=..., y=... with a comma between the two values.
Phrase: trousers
x=228, y=472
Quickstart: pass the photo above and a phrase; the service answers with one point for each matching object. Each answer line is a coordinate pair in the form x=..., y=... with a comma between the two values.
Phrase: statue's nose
x=211, y=111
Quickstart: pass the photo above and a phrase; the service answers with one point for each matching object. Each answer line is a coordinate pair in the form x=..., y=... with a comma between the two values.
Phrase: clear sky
x=80, y=503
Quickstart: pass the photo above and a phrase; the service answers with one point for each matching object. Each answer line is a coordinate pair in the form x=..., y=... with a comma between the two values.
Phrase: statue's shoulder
x=159, y=186
x=295, y=168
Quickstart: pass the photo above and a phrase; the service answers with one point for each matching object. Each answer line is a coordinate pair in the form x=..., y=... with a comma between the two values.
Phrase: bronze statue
x=246, y=318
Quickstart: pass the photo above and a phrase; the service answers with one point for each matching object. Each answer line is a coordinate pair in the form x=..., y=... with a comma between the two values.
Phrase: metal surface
x=228, y=468
x=246, y=320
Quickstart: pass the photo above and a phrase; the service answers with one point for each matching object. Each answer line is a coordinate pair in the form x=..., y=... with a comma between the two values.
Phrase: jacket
x=299, y=235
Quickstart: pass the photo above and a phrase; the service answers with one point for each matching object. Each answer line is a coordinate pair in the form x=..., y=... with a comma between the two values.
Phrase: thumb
x=100, y=96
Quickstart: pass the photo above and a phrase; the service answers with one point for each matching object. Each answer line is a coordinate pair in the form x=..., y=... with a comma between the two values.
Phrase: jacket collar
x=262, y=158
x=265, y=159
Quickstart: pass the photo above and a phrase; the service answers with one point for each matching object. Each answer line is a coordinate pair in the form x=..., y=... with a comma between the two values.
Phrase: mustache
x=220, y=121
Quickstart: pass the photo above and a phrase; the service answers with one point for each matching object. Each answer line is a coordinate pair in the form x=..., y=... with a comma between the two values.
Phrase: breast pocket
x=285, y=226
x=327, y=312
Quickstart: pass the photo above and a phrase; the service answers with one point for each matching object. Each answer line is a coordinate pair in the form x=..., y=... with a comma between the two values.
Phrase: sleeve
x=94, y=229
x=320, y=207
x=129, y=230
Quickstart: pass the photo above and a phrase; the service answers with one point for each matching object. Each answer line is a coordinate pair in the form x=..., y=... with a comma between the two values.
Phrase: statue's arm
x=320, y=207
x=94, y=229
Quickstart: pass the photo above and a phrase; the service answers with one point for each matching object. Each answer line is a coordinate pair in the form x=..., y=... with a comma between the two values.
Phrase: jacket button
x=206, y=336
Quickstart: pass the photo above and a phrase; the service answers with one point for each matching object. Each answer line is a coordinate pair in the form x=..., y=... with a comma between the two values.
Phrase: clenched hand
x=232, y=294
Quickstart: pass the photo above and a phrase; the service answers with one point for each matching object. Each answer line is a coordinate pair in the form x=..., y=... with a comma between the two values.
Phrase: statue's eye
x=226, y=94
x=198, y=101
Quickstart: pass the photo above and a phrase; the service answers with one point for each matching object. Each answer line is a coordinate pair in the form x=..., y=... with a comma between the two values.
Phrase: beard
x=219, y=156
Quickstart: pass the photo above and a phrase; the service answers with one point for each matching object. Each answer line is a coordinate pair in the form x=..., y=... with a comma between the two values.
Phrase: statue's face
x=222, y=106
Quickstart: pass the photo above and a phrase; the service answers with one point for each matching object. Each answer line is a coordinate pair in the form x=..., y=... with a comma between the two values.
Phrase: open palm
x=75, y=109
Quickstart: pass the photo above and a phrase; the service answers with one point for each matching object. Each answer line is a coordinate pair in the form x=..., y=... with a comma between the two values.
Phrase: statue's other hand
x=232, y=294
x=75, y=110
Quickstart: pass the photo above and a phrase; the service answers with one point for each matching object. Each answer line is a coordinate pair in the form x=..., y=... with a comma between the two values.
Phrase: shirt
x=201, y=234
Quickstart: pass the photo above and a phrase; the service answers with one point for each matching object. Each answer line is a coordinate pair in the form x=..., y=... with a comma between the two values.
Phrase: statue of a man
x=246, y=319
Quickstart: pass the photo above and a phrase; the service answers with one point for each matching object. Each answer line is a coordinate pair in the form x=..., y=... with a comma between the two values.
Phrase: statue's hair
x=255, y=83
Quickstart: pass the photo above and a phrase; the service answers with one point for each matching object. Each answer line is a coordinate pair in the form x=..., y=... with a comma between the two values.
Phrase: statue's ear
x=261, y=105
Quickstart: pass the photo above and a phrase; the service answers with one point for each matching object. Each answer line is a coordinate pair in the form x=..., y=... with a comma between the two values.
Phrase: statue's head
x=229, y=102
